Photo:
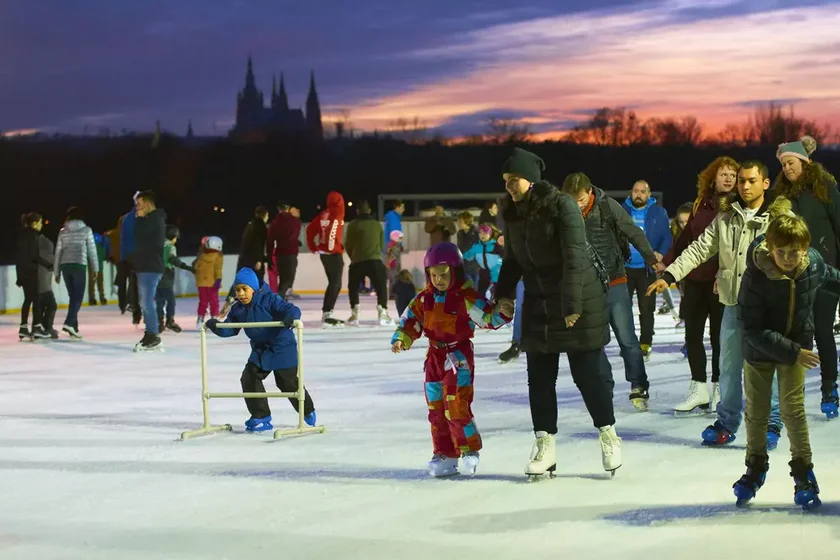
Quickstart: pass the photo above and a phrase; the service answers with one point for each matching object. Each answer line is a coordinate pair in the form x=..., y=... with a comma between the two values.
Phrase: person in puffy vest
x=75, y=252
x=208, y=267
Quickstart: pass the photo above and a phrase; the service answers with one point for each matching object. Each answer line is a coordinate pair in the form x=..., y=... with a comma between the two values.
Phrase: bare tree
x=412, y=131
x=611, y=127
x=672, y=132
x=771, y=125
x=503, y=131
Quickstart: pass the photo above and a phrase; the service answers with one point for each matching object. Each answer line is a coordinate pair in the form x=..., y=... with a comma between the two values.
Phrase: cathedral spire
x=189, y=129
x=282, y=99
x=249, y=75
x=313, y=109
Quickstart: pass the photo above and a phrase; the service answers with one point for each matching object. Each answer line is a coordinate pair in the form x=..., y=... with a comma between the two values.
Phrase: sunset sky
x=451, y=63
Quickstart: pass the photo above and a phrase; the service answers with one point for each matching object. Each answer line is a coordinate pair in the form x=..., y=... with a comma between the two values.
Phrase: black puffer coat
x=777, y=310
x=545, y=245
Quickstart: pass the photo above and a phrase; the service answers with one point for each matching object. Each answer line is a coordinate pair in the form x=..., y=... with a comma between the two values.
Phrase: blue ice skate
x=258, y=424
x=310, y=418
x=829, y=405
x=748, y=485
x=805, y=490
x=716, y=435
x=773, y=434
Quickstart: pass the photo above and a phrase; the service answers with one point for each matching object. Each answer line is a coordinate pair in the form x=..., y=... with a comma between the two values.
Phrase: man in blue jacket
x=653, y=220
x=127, y=281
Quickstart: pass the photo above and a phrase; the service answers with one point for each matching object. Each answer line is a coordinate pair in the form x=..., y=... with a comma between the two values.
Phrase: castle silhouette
x=253, y=116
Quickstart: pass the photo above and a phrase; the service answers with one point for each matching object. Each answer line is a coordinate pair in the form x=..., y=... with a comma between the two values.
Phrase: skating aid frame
x=206, y=395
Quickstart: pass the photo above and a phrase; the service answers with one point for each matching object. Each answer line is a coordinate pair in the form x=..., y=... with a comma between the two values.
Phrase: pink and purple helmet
x=396, y=235
x=448, y=254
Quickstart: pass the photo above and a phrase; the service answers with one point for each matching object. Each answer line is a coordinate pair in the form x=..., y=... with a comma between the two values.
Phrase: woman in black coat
x=564, y=308
x=26, y=267
x=813, y=191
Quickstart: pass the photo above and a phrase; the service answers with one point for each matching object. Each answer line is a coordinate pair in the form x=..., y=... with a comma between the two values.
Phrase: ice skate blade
x=696, y=411
x=640, y=405
x=549, y=473
x=147, y=350
x=813, y=504
x=448, y=474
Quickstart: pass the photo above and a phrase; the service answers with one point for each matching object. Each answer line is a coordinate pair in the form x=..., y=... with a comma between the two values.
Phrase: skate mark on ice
x=646, y=517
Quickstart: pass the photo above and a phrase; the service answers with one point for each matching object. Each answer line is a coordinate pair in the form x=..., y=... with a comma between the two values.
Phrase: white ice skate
x=353, y=320
x=697, y=400
x=610, y=449
x=199, y=322
x=543, y=457
x=384, y=319
x=330, y=322
x=441, y=466
x=469, y=462
x=715, y=397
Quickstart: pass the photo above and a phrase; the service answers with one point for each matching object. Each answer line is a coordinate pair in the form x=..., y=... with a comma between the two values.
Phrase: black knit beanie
x=524, y=164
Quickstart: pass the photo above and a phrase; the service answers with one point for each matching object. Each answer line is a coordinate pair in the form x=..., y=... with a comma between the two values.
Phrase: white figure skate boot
x=469, y=462
x=384, y=319
x=441, y=465
x=543, y=456
x=715, y=397
x=696, y=401
x=353, y=320
x=330, y=322
x=610, y=449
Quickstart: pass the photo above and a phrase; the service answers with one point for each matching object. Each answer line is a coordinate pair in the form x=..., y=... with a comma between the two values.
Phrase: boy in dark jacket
x=404, y=290
x=165, y=296
x=775, y=307
x=272, y=349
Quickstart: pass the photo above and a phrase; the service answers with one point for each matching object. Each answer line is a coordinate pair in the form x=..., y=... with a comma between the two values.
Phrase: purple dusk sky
x=67, y=65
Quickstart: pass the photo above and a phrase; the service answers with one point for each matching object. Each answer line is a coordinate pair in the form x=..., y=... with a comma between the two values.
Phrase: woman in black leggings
x=26, y=266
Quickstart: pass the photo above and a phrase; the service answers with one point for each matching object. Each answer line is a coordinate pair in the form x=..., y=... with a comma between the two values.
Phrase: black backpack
x=620, y=238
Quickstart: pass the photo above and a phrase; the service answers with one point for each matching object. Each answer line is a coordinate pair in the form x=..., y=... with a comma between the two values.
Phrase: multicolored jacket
x=447, y=317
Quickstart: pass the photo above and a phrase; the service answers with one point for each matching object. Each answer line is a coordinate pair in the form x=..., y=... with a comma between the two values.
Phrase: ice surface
x=92, y=469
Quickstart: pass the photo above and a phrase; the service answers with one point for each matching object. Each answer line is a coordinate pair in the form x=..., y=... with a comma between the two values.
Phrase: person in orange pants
x=448, y=310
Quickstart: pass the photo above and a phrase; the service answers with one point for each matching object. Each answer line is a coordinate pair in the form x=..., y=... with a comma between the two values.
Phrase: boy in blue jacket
x=272, y=349
x=488, y=254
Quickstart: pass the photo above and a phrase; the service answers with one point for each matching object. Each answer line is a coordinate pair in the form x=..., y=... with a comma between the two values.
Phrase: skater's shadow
x=646, y=517
x=653, y=438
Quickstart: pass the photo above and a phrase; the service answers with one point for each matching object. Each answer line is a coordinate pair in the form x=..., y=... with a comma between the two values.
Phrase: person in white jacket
x=729, y=236
x=74, y=252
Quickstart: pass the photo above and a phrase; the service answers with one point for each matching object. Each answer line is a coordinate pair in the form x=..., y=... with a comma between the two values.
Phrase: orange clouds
x=656, y=61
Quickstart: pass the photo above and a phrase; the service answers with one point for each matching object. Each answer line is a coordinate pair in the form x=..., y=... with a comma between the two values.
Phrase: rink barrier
x=206, y=395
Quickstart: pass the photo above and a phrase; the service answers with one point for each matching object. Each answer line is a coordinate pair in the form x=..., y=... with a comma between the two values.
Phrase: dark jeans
x=375, y=270
x=286, y=271
x=165, y=301
x=127, y=288
x=638, y=280
x=74, y=281
x=333, y=266
x=621, y=320
x=30, y=299
x=825, y=310
x=48, y=307
x=287, y=382
x=591, y=373
x=700, y=301
x=147, y=283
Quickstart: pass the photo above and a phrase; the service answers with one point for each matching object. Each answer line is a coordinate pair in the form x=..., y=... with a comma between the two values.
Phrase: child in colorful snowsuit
x=393, y=258
x=97, y=277
x=404, y=290
x=165, y=296
x=448, y=310
x=272, y=349
x=776, y=309
x=488, y=254
x=208, y=276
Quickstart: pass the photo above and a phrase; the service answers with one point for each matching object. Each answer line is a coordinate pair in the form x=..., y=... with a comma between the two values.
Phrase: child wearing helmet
x=448, y=310
x=488, y=254
x=208, y=276
x=393, y=258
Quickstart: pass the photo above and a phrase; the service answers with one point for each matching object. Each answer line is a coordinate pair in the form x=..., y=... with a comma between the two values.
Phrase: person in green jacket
x=363, y=243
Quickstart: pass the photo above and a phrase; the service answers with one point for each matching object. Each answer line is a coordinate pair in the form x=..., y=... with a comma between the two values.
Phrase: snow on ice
x=92, y=467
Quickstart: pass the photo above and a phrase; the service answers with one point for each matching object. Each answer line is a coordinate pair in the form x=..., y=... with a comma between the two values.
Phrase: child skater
x=448, y=310
x=208, y=276
x=775, y=306
x=404, y=290
x=272, y=349
x=393, y=258
x=166, y=287
x=488, y=254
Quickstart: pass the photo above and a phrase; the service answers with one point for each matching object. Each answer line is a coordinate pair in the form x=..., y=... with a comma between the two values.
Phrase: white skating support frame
x=206, y=395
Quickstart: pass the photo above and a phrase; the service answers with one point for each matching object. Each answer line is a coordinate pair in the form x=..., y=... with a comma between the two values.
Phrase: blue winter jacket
x=271, y=348
x=488, y=257
x=657, y=230
x=127, y=236
x=393, y=222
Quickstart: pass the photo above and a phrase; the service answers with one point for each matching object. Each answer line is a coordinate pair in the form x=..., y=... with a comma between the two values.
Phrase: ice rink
x=92, y=467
